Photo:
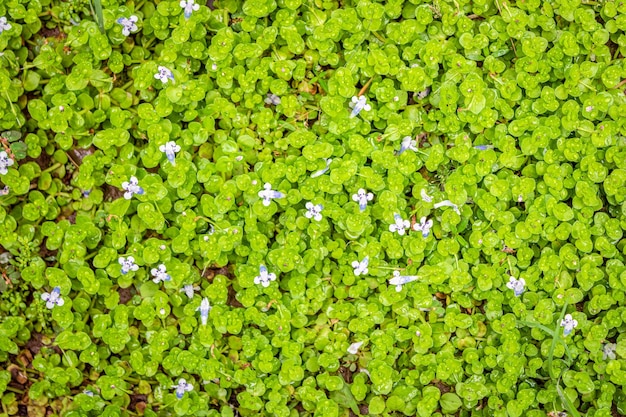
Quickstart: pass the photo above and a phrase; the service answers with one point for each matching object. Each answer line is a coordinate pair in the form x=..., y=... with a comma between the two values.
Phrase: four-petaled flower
x=267, y=194
x=314, y=211
x=164, y=74
x=399, y=280
x=128, y=24
x=182, y=387
x=362, y=197
x=425, y=197
x=170, y=149
x=517, y=285
x=264, y=277
x=272, y=99
x=189, y=6
x=132, y=187
x=608, y=351
x=128, y=264
x=423, y=226
x=160, y=274
x=53, y=298
x=354, y=348
x=407, y=143
x=360, y=268
x=4, y=24
x=568, y=324
x=204, y=309
x=358, y=104
x=323, y=170
x=189, y=290
x=448, y=203
x=400, y=225
x=5, y=162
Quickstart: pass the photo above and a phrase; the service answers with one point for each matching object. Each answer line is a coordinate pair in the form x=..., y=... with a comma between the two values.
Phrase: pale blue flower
x=423, y=226
x=164, y=74
x=399, y=280
x=358, y=104
x=5, y=162
x=5, y=190
x=189, y=6
x=204, y=309
x=264, y=278
x=160, y=274
x=399, y=225
x=425, y=197
x=267, y=194
x=407, y=143
x=608, y=351
x=170, y=149
x=517, y=285
x=128, y=264
x=354, y=348
x=128, y=24
x=182, y=387
x=360, y=268
x=4, y=24
x=53, y=298
x=189, y=290
x=362, y=197
x=483, y=147
x=448, y=203
x=272, y=99
x=323, y=170
x=314, y=211
x=568, y=324
x=132, y=187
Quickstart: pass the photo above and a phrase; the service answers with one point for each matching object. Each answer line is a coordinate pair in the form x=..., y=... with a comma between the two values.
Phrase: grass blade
x=569, y=406
x=97, y=5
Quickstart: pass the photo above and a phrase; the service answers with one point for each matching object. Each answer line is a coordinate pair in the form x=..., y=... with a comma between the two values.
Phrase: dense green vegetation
x=312, y=208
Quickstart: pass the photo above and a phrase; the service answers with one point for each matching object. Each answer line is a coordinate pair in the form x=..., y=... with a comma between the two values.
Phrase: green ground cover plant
x=312, y=208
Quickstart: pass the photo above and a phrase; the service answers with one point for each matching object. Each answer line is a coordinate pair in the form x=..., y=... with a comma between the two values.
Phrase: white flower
x=189, y=6
x=164, y=74
x=5, y=190
x=267, y=194
x=517, y=285
x=132, y=187
x=354, y=348
x=568, y=324
x=204, y=309
x=272, y=99
x=608, y=351
x=4, y=25
x=128, y=264
x=128, y=24
x=170, y=149
x=5, y=162
x=314, y=211
x=189, y=290
x=182, y=387
x=423, y=226
x=264, y=277
x=448, y=203
x=407, y=143
x=360, y=268
x=423, y=94
x=362, y=197
x=160, y=274
x=53, y=298
x=323, y=170
x=400, y=225
x=425, y=197
x=399, y=280
x=358, y=104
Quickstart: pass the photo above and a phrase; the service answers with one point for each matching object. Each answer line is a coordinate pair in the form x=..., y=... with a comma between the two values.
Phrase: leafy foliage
x=314, y=208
